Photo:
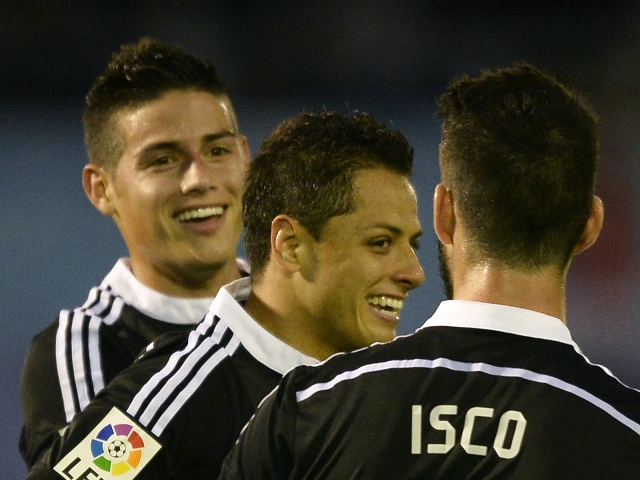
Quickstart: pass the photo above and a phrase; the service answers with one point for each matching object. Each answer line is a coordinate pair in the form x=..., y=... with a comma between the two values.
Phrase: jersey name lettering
x=438, y=421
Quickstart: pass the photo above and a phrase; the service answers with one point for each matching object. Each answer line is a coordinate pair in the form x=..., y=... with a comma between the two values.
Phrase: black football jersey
x=85, y=348
x=181, y=405
x=480, y=391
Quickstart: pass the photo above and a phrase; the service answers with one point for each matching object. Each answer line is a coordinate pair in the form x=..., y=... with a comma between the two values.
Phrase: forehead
x=383, y=199
x=177, y=115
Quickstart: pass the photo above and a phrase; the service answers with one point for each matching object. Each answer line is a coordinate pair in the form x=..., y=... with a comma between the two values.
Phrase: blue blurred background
x=390, y=58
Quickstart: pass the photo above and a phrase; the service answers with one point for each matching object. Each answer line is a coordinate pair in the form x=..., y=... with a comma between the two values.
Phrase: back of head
x=305, y=169
x=138, y=73
x=519, y=152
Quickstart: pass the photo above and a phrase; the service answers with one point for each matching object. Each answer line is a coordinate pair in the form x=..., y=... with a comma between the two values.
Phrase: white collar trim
x=179, y=311
x=260, y=343
x=503, y=318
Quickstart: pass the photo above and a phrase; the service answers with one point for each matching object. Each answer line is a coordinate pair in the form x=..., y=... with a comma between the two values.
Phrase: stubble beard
x=445, y=271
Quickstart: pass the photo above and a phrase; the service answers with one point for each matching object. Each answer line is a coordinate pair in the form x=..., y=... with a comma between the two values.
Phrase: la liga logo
x=117, y=449
x=113, y=449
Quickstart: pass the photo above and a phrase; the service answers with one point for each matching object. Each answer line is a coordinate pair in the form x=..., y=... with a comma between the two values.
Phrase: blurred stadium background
x=390, y=58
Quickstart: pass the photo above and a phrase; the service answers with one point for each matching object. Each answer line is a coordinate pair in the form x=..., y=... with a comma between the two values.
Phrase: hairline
x=115, y=114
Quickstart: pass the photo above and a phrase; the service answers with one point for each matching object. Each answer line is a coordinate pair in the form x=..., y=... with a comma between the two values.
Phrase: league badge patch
x=117, y=448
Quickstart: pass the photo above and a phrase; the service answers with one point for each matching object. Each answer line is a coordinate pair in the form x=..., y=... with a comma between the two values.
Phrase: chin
x=384, y=336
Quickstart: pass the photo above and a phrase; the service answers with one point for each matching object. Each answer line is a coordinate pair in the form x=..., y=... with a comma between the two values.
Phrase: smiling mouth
x=198, y=214
x=387, y=306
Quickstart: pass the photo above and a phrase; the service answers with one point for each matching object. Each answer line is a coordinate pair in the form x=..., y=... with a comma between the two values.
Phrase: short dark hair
x=519, y=152
x=305, y=169
x=138, y=73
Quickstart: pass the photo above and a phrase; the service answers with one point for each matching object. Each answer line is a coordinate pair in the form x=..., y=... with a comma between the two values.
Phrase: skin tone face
x=363, y=267
x=176, y=192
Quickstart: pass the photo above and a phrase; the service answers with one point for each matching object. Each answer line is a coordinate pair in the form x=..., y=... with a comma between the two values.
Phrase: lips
x=386, y=305
x=200, y=213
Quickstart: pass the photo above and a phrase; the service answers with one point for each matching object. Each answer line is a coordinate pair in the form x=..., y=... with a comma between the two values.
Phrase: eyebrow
x=392, y=229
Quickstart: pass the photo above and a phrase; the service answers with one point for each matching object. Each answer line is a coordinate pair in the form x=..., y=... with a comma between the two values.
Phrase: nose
x=197, y=176
x=409, y=271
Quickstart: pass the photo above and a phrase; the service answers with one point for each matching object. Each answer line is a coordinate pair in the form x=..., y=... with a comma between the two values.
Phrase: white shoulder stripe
x=167, y=370
x=95, y=358
x=77, y=357
x=162, y=395
x=97, y=307
x=193, y=385
x=469, y=368
x=91, y=299
x=178, y=376
x=61, y=364
x=77, y=339
x=116, y=310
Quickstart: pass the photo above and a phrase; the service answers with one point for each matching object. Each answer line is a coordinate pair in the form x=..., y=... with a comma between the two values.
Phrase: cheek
x=140, y=206
x=234, y=182
x=231, y=173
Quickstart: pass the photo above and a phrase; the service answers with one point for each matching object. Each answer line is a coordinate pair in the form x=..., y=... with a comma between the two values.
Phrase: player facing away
x=332, y=229
x=167, y=164
x=492, y=385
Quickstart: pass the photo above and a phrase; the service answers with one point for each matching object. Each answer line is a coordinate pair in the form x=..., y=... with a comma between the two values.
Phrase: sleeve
x=103, y=441
x=111, y=437
x=264, y=449
x=43, y=415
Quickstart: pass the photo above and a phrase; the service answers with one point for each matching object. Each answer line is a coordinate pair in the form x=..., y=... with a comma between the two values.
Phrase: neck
x=195, y=282
x=273, y=305
x=542, y=291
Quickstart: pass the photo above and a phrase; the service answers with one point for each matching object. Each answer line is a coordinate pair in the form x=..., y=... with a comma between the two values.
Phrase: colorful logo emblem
x=117, y=448
x=113, y=449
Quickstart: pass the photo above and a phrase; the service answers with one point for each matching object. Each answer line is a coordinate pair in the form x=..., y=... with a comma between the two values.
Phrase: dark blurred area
x=390, y=58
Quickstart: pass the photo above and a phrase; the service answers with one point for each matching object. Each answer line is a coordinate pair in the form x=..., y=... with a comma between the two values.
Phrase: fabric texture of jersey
x=480, y=391
x=83, y=349
x=192, y=391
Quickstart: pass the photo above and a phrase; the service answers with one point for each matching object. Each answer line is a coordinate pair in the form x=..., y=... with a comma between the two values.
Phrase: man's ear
x=244, y=148
x=97, y=186
x=444, y=219
x=289, y=243
x=593, y=227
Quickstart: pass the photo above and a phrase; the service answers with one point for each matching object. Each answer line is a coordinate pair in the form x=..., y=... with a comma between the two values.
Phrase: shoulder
x=164, y=345
x=349, y=366
x=178, y=364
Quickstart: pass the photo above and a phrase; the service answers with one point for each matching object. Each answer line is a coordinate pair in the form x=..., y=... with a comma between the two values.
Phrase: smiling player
x=331, y=233
x=492, y=386
x=167, y=164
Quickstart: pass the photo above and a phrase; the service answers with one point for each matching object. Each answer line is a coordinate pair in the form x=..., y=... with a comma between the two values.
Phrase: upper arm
x=41, y=402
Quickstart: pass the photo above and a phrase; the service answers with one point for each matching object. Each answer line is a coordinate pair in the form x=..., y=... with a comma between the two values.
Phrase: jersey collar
x=180, y=311
x=260, y=343
x=502, y=318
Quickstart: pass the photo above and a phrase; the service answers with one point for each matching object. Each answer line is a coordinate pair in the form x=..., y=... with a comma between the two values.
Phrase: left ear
x=444, y=219
x=289, y=243
x=244, y=148
x=593, y=227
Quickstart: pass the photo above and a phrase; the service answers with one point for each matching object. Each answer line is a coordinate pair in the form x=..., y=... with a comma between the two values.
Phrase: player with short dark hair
x=166, y=162
x=492, y=385
x=329, y=198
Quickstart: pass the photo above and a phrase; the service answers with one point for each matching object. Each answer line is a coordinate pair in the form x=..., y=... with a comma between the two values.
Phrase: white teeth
x=200, y=213
x=388, y=302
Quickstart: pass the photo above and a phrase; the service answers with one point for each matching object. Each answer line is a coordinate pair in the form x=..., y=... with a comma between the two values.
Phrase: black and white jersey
x=186, y=399
x=83, y=349
x=480, y=391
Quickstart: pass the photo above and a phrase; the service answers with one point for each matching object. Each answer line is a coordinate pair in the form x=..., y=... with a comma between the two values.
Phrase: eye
x=218, y=151
x=163, y=160
x=381, y=244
